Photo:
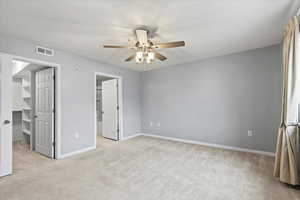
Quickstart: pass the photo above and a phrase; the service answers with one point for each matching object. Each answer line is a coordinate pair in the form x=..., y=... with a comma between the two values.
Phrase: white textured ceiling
x=209, y=28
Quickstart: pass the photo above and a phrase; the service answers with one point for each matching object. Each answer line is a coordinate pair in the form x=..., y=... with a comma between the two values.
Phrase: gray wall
x=78, y=92
x=217, y=100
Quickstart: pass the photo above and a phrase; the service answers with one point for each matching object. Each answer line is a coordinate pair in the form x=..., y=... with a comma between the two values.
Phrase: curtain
x=287, y=149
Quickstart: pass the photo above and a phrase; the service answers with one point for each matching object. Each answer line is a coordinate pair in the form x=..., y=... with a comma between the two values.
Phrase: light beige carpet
x=146, y=168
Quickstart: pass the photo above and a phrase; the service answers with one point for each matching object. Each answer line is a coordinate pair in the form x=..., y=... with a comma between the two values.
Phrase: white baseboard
x=76, y=152
x=178, y=140
x=130, y=137
x=212, y=145
x=91, y=148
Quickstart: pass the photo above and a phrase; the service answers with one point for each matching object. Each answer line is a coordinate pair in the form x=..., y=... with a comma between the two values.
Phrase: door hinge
x=118, y=107
x=53, y=144
x=118, y=130
x=53, y=77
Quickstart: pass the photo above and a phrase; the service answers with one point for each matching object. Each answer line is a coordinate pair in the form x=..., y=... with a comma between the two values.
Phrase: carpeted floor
x=146, y=168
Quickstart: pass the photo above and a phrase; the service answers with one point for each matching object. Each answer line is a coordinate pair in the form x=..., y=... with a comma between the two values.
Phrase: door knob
x=35, y=116
x=6, y=122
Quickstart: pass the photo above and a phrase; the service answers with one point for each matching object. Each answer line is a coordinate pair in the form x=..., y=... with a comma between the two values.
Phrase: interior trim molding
x=177, y=140
x=212, y=145
x=77, y=152
x=131, y=136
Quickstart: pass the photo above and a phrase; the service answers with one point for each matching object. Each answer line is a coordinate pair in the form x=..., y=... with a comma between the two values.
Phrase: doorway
x=29, y=113
x=33, y=119
x=108, y=107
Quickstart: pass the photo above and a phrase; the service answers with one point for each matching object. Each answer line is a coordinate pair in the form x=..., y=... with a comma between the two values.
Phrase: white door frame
x=120, y=100
x=57, y=97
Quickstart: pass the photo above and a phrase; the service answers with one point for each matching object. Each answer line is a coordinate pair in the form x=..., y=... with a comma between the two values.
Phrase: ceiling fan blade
x=169, y=44
x=115, y=46
x=130, y=58
x=160, y=56
x=142, y=37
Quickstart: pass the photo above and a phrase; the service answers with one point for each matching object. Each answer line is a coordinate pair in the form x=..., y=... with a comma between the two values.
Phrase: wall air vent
x=44, y=51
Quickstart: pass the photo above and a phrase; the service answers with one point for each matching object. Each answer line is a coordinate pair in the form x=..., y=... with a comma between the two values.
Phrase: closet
x=22, y=108
x=107, y=108
x=34, y=107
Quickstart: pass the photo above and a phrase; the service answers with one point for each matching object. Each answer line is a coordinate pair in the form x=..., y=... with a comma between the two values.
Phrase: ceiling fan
x=145, y=48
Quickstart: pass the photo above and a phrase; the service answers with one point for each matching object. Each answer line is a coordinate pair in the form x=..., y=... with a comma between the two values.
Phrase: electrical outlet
x=76, y=135
x=250, y=133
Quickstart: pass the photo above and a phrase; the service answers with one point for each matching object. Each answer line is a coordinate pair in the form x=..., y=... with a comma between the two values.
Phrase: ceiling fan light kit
x=139, y=57
x=142, y=57
x=146, y=49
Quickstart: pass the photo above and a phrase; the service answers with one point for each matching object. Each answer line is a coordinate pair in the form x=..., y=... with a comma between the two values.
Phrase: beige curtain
x=287, y=152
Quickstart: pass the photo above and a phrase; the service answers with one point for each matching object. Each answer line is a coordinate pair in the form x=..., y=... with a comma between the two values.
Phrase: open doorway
x=33, y=113
x=108, y=102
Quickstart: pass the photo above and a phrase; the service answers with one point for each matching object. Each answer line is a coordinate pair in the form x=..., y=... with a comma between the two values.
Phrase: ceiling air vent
x=44, y=51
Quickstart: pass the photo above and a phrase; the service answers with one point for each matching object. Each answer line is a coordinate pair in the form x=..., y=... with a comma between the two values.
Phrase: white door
x=44, y=112
x=110, y=116
x=5, y=114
